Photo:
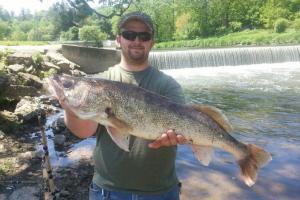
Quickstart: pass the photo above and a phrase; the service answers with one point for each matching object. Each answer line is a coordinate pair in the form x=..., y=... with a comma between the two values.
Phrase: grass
x=243, y=38
x=6, y=166
x=20, y=43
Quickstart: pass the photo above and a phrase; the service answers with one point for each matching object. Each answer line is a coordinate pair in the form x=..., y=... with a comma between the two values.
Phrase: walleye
x=125, y=109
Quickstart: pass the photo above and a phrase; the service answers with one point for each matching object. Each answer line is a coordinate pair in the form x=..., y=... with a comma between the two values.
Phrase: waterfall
x=223, y=56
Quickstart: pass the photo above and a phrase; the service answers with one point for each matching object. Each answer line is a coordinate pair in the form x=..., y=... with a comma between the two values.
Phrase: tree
x=92, y=33
x=118, y=7
x=4, y=30
x=4, y=15
x=162, y=14
x=71, y=34
x=273, y=10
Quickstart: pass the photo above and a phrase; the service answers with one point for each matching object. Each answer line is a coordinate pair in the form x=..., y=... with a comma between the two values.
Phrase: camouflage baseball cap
x=146, y=19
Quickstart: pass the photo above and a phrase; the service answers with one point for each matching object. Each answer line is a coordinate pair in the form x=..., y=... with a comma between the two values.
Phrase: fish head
x=76, y=93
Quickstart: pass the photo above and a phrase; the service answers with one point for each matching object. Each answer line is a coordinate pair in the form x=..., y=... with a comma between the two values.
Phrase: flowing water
x=224, y=56
x=263, y=104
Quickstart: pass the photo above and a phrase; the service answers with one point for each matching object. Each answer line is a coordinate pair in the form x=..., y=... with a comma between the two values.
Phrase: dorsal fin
x=216, y=115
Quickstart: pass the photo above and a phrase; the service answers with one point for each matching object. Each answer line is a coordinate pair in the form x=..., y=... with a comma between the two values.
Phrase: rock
x=27, y=192
x=59, y=139
x=2, y=135
x=18, y=91
x=9, y=116
x=3, y=81
x=28, y=109
x=27, y=155
x=65, y=193
x=30, y=69
x=31, y=80
x=22, y=58
x=49, y=65
x=16, y=68
x=39, y=153
x=58, y=126
x=2, y=149
x=77, y=72
x=65, y=66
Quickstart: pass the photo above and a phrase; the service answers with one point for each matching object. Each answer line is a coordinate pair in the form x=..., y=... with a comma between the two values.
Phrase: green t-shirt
x=142, y=170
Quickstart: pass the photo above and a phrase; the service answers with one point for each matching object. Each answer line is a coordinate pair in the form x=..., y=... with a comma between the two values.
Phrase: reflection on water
x=263, y=104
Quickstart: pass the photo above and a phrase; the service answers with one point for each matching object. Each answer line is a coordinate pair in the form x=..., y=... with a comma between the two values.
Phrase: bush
x=235, y=26
x=37, y=59
x=19, y=36
x=71, y=34
x=281, y=25
x=92, y=33
x=296, y=24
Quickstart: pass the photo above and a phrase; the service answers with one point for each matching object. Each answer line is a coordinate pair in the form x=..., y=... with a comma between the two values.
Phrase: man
x=148, y=171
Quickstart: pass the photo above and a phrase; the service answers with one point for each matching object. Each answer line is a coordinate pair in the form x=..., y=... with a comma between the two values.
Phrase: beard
x=135, y=54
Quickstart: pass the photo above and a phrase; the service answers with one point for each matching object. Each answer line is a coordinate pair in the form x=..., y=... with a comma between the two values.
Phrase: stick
x=47, y=169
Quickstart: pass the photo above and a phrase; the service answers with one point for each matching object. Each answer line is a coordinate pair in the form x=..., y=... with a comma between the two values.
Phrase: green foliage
x=281, y=25
x=296, y=24
x=2, y=63
x=50, y=72
x=247, y=37
x=37, y=59
x=173, y=20
x=271, y=13
x=3, y=60
x=71, y=34
x=183, y=27
x=4, y=30
x=114, y=24
x=92, y=33
x=18, y=36
x=235, y=26
x=18, y=43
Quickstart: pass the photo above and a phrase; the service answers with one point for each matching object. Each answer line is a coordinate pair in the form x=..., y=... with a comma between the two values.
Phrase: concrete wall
x=90, y=59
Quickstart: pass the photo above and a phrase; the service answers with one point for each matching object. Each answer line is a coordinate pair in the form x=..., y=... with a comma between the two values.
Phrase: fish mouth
x=53, y=87
x=61, y=85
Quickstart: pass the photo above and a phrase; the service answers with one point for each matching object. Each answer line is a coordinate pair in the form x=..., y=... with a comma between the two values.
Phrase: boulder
x=22, y=58
x=26, y=192
x=27, y=109
x=18, y=91
x=15, y=68
x=31, y=80
x=3, y=82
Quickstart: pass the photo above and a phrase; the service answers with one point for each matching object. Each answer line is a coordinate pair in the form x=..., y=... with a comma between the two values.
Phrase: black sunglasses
x=131, y=35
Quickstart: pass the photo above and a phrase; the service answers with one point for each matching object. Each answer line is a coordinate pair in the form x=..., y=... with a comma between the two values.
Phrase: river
x=263, y=104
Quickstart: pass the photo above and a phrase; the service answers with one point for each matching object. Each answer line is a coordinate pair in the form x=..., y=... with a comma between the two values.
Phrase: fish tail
x=255, y=159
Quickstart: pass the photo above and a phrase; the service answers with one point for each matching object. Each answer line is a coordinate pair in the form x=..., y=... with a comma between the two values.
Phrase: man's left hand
x=167, y=139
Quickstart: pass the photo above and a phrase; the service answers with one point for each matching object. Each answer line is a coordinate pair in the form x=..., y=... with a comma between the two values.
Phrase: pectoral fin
x=121, y=139
x=119, y=132
x=203, y=153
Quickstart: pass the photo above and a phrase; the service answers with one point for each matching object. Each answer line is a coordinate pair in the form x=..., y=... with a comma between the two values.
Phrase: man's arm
x=79, y=127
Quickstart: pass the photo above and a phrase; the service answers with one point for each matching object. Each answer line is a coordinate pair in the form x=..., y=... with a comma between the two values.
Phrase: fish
x=126, y=109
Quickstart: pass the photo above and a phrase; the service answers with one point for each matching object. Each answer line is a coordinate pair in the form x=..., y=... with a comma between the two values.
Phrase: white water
x=224, y=57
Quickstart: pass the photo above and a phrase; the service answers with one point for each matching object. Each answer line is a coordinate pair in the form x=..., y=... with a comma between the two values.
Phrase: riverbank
x=258, y=37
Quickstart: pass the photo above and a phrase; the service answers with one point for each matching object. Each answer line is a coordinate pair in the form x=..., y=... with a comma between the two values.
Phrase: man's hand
x=167, y=139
